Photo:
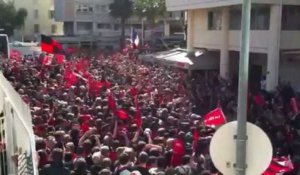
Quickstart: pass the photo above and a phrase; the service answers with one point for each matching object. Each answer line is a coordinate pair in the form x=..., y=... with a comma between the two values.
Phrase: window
x=182, y=14
x=97, y=7
x=36, y=14
x=117, y=26
x=104, y=8
x=260, y=18
x=36, y=28
x=84, y=8
x=235, y=16
x=51, y=14
x=104, y=26
x=170, y=14
x=53, y=28
x=290, y=17
x=214, y=20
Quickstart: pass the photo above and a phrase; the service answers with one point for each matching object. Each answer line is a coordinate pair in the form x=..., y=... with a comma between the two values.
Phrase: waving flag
x=122, y=114
x=135, y=40
x=59, y=58
x=49, y=45
x=215, y=118
x=279, y=165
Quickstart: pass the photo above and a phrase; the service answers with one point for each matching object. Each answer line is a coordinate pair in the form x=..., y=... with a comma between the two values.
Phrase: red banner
x=279, y=165
x=215, y=118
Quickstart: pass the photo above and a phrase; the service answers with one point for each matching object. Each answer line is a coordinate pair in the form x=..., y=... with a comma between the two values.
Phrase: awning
x=179, y=58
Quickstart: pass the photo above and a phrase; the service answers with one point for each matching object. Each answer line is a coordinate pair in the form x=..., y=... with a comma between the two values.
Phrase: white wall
x=211, y=39
x=175, y=5
x=44, y=22
x=202, y=37
x=259, y=41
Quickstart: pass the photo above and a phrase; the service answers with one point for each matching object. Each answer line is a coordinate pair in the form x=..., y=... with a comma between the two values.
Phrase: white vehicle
x=4, y=46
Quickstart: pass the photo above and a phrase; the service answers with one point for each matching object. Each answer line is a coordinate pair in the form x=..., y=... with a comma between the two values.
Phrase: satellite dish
x=259, y=149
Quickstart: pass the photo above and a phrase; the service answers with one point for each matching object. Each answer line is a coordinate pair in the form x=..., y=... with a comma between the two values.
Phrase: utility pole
x=241, y=137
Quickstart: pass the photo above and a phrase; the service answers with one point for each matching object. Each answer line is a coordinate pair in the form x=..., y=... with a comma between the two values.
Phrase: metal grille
x=3, y=156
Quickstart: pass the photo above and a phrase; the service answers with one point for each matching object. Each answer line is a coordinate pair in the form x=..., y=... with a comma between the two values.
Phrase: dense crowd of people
x=115, y=115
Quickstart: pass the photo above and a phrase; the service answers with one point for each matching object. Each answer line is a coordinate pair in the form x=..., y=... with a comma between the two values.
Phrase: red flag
x=107, y=84
x=59, y=58
x=47, y=60
x=71, y=79
x=49, y=45
x=133, y=91
x=95, y=86
x=79, y=66
x=215, y=118
x=279, y=165
x=111, y=103
x=178, y=152
x=123, y=115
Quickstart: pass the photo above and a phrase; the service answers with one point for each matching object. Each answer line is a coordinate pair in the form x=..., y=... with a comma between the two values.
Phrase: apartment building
x=40, y=20
x=275, y=36
x=88, y=23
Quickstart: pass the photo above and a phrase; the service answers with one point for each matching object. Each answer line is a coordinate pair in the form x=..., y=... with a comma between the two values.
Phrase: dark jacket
x=55, y=169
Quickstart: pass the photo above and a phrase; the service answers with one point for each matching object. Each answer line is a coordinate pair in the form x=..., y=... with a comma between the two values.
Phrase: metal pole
x=241, y=137
x=143, y=30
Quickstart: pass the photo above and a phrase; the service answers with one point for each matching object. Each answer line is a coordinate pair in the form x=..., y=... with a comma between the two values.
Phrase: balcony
x=176, y=5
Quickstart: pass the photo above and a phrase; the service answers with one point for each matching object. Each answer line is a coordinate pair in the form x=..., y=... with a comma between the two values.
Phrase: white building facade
x=89, y=22
x=275, y=36
x=40, y=20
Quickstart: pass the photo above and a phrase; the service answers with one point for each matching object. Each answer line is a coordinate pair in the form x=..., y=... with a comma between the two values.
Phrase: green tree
x=121, y=9
x=153, y=10
x=10, y=18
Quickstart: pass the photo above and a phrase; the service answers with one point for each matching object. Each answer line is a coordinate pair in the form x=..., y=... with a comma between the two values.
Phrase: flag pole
x=241, y=137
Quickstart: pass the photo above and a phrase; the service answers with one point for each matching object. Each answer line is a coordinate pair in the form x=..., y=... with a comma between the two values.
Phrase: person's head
x=43, y=158
x=57, y=155
x=107, y=140
x=70, y=147
x=80, y=165
x=161, y=162
x=124, y=158
x=106, y=163
x=105, y=172
x=87, y=145
x=40, y=144
x=205, y=173
x=104, y=151
x=186, y=159
x=68, y=157
x=143, y=158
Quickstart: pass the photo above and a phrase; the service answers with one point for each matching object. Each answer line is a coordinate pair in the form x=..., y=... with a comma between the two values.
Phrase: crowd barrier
x=17, y=141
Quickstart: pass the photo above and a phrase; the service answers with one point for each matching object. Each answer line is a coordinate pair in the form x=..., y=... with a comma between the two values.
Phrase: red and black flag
x=49, y=45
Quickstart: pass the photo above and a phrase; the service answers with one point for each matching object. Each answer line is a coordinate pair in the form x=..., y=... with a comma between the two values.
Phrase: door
x=255, y=77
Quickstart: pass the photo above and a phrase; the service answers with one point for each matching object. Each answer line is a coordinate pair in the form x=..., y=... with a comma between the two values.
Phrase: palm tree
x=121, y=9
